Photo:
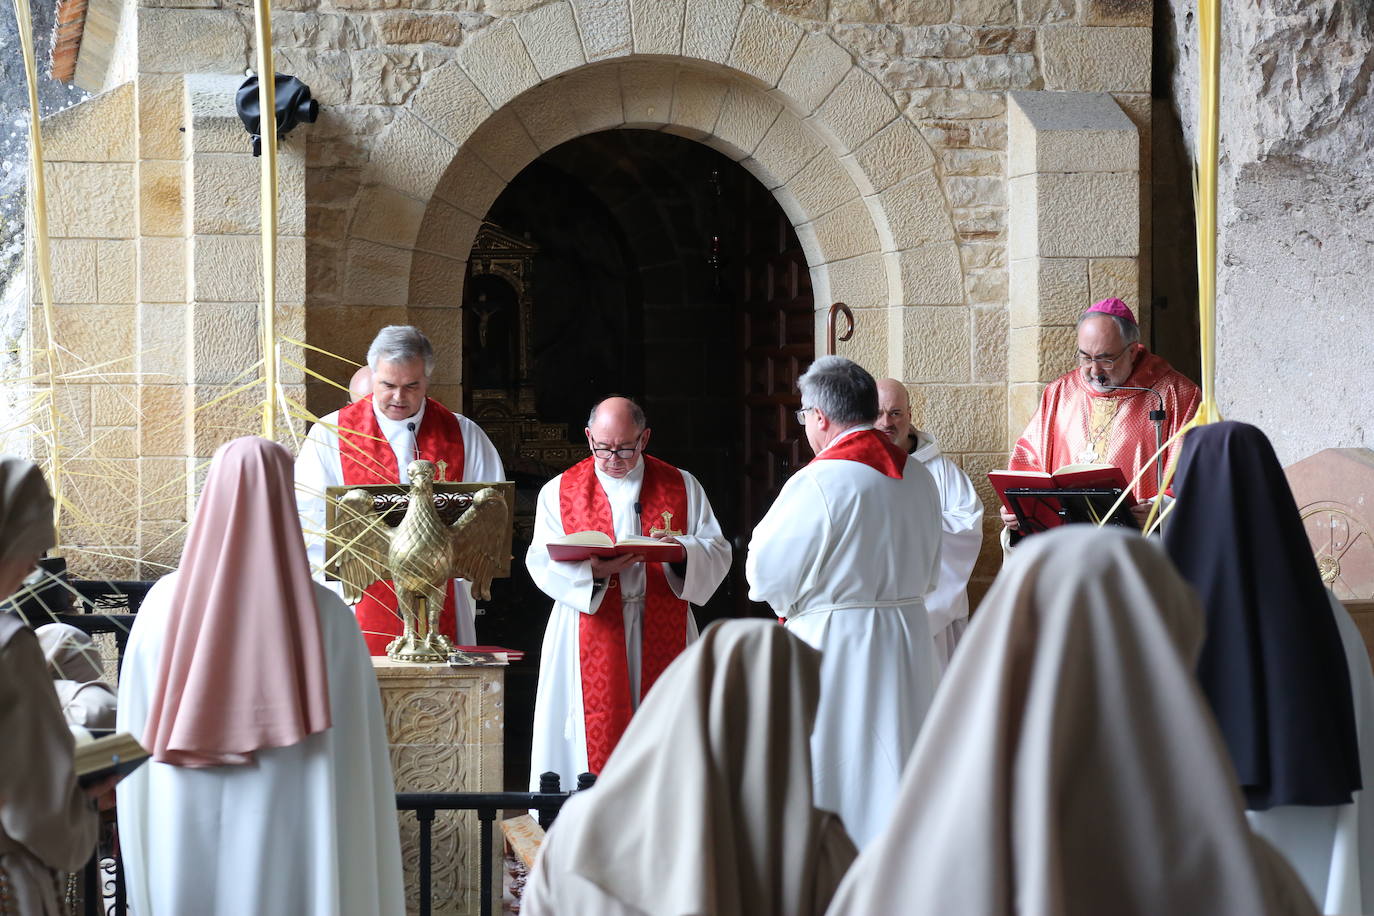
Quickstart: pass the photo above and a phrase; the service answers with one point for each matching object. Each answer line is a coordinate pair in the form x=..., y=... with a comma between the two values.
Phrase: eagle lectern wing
x=478, y=535
x=361, y=541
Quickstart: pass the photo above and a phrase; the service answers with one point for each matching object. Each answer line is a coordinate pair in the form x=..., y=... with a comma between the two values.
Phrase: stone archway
x=856, y=178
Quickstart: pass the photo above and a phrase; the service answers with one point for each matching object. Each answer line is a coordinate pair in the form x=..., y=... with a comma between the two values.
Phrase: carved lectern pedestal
x=446, y=728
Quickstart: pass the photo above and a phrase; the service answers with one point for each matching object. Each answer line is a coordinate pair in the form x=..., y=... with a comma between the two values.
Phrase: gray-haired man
x=372, y=441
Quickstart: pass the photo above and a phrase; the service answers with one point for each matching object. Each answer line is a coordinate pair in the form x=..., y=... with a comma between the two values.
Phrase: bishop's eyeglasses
x=1106, y=362
x=624, y=452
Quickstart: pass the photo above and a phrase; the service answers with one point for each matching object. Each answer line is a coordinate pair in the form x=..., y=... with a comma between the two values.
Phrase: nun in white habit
x=1070, y=764
x=705, y=805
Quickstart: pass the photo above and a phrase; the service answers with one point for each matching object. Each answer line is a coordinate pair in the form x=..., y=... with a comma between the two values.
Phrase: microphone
x=639, y=517
x=414, y=442
x=1156, y=417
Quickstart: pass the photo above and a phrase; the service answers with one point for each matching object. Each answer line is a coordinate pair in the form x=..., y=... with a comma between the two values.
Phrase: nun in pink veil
x=270, y=788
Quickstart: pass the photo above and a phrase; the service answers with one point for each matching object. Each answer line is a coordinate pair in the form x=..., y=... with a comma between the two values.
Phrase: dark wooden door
x=776, y=343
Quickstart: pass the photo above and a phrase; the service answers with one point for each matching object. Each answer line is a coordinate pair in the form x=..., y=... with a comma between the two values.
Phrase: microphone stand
x=1157, y=418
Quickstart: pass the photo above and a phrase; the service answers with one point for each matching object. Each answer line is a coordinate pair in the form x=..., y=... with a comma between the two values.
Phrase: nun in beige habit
x=47, y=824
x=1070, y=764
x=705, y=805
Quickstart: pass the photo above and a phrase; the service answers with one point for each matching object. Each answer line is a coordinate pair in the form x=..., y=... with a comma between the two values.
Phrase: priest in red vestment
x=616, y=623
x=372, y=441
x=1084, y=419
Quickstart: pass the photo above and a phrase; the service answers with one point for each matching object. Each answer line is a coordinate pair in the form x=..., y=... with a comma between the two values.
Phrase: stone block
x=162, y=205
x=214, y=127
x=1036, y=12
x=697, y=100
x=547, y=117
x=329, y=74
x=115, y=263
x=115, y=405
x=1118, y=12
x=504, y=145
x=219, y=414
x=551, y=39
x=90, y=199
x=1022, y=401
x=1087, y=214
x=469, y=183
x=161, y=115
x=1096, y=59
x=1069, y=132
x=96, y=335
x=162, y=343
x=594, y=94
x=160, y=543
x=745, y=116
x=647, y=90
x=930, y=343
x=225, y=338
x=822, y=186
x=163, y=487
x=1119, y=277
x=657, y=26
x=816, y=68
x=411, y=157
x=162, y=420
x=383, y=77
x=983, y=191
x=985, y=12
x=926, y=275
x=856, y=110
x=72, y=269
x=450, y=103
x=764, y=43
x=162, y=269
x=859, y=282
x=376, y=275
x=226, y=268
x=436, y=280
x=192, y=41
x=978, y=255
x=845, y=232
x=986, y=286
x=99, y=129
x=964, y=418
x=225, y=194
x=498, y=64
x=605, y=28
x=973, y=162
x=102, y=493
x=448, y=231
x=787, y=146
x=897, y=12
x=1048, y=291
x=1040, y=354
x=990, y=333
x=387, y=216
x=708, y=29
x=414, y=27
x=868, y=346
x=912, y=212
x=893, y=153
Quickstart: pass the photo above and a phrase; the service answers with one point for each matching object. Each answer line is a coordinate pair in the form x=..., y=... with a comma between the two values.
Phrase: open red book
x=1043, y=512
x=582, y=545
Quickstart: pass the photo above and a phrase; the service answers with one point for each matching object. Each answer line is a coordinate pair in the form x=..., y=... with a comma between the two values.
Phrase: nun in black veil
x=1283, y=665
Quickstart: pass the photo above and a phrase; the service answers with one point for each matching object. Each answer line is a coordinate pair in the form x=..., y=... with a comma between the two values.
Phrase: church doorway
x=638, y=263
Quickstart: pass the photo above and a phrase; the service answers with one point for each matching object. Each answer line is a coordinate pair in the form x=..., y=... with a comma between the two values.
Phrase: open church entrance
x=638, y=263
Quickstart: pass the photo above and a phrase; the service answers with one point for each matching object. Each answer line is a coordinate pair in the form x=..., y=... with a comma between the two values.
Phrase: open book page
x=585, y=539
x=101, y=757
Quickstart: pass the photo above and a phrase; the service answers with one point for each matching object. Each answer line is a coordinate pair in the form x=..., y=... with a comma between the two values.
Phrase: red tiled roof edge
x=66, y=38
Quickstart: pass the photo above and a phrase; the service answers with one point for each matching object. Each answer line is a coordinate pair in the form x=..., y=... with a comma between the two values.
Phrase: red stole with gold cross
x=606, y=701
x=367, y=458
x=868, y=447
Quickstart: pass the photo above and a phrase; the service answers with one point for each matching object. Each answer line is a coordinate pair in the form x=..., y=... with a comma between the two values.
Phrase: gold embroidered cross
x=443, y=470
x=667, y=529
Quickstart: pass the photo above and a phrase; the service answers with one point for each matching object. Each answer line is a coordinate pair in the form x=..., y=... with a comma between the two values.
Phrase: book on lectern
x=1042, y=512
x=583, y=545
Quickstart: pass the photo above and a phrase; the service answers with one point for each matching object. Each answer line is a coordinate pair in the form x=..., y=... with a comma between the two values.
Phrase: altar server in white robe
x=961, y=518
x=1070, y=764
x=705, y=806
x=270, y=788
x=373, y=441
x=616, y=623
x=846, y=555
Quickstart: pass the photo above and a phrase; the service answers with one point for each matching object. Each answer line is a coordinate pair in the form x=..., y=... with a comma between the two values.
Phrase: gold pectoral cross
x=667, y=529
x=442, y=467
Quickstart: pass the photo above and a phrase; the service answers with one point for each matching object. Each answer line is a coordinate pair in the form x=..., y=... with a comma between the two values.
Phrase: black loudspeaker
x=293, y=106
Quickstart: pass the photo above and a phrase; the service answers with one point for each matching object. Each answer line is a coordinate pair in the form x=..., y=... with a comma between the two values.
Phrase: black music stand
x=1084, y=505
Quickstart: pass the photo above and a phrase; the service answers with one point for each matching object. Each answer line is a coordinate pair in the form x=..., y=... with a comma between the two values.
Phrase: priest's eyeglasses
x=801, y=415
x=1105, y=361
x=625, y=452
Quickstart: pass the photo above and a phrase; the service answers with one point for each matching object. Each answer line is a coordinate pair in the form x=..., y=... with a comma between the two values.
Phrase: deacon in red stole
x=1082, y=420
x=846, y=555
x=616, y=623
x=372, y=441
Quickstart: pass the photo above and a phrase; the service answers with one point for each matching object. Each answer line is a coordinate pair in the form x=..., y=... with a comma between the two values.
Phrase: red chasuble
x=367, y=458
x=1077, y=424
x=606, y=701
x=868, y=447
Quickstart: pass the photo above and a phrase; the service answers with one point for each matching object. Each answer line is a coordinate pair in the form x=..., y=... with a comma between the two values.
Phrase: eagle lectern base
x=446, y=728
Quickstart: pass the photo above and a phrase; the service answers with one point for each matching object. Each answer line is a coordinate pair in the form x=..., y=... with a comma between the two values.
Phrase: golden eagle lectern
x=419, y=555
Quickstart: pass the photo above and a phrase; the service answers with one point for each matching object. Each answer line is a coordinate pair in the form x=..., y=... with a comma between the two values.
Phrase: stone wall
x=1294, y=214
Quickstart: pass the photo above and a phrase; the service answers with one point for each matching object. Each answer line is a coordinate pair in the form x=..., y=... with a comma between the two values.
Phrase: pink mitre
x=1114, y=307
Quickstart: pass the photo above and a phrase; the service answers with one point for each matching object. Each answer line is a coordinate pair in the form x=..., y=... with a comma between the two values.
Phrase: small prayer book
x=1043, y=512
x=582, y=545
x=118, y=754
